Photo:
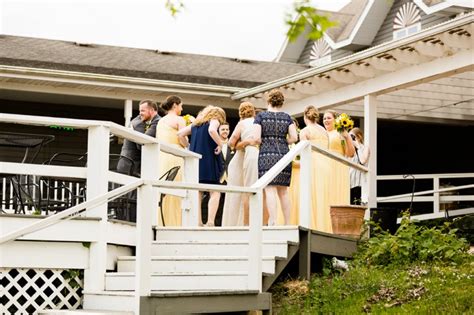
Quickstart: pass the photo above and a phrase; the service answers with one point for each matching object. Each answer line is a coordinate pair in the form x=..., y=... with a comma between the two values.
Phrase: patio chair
x=60, y=194
x=170, y=175
x=123, y=207
x=26, y=194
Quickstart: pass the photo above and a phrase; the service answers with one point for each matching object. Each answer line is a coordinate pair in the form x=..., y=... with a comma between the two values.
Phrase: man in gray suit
x=144, y=123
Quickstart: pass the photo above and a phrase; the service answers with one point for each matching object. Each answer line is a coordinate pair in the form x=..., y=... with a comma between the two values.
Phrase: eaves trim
x=373, y=51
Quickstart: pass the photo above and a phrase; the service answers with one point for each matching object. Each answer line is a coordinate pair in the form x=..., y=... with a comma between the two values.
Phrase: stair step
x=216, y=248
x=83, y=311
x=195, y=263
x=286, y=233
x=125, y=281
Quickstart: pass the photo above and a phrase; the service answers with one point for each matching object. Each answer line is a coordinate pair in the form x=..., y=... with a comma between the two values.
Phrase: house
x=403, y=69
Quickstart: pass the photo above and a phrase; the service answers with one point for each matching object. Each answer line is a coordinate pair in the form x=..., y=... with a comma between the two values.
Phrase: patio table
x=26, y=141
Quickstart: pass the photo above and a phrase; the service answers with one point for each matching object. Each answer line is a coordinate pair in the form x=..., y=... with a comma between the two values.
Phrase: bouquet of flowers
x=343, y=123
x=189, y=119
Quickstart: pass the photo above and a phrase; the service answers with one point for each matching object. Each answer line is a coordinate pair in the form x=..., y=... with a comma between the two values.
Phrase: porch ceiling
x=427, y=76
x=442, y=100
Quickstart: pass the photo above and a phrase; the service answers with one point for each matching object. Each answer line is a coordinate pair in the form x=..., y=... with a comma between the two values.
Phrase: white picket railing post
x=436, y=195
x=255, y=242
x=97, y=169
x=305, y=187
x=190, y=203
x=147, y=207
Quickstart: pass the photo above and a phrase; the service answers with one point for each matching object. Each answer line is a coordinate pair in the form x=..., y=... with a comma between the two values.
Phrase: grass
x=419, y=288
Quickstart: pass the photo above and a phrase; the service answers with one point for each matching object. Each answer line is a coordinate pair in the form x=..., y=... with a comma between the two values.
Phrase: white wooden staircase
x=197, y=262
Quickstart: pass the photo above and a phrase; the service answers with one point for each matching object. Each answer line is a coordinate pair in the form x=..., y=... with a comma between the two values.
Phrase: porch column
x=370, y=129
x=97, y=184
x=128, y=112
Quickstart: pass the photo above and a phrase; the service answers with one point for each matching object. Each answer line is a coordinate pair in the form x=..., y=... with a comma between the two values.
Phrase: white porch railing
x=441, y=196
x=98, y=176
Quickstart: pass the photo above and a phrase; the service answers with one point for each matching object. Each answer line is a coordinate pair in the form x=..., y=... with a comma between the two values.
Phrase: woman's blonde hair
x=332, y=112
x=246, y=110
x=210, y=112
x=359, y=134
x=311, y=113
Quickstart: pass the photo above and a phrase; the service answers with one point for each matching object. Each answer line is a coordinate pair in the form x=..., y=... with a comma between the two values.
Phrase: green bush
x=412, y=243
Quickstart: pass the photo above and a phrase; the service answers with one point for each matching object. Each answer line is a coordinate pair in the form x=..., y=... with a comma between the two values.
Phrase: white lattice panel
x=28, y=291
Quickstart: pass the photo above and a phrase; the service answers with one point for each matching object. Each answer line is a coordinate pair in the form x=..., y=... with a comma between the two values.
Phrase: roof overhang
x=69, y=83
x=435, y=53
x=450, y=6
x=366, y=27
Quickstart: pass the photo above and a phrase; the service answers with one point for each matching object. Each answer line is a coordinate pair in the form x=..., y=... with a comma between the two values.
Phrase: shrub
x=413, y=243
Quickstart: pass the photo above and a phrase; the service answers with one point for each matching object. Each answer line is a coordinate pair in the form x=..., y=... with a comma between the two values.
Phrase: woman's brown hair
x=170, y=101
x=359, y=134
x=276, y=98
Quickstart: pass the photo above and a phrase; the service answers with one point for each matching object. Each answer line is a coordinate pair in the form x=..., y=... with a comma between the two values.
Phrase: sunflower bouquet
x=189, y=119
x=343, y=123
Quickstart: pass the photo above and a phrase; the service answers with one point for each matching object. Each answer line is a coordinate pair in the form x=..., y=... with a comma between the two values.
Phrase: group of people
x=258, y=142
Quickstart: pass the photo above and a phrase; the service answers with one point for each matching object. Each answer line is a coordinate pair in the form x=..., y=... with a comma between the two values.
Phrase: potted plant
x=347, y=220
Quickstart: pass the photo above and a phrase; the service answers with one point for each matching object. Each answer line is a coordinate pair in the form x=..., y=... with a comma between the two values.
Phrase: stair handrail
x=114, y=128
x=71, y=212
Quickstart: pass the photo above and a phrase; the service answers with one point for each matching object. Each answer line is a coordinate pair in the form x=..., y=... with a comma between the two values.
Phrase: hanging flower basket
x=347, y=220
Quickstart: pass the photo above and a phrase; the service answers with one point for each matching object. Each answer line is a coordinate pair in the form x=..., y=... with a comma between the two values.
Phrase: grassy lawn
x=415, y=289
x=419, y=270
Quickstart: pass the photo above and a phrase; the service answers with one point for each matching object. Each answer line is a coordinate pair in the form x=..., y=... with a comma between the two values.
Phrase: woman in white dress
x=243, y=168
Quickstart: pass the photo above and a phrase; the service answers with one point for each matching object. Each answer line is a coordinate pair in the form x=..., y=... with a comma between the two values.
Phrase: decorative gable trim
x=320, y=53
x=407, y=15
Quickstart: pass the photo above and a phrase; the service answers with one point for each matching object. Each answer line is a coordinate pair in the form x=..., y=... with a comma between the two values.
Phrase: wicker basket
x=347, y=220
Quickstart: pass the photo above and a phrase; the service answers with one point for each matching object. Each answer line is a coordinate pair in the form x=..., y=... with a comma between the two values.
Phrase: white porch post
x=370, y=127
x=305, y=187
x=190, y=203
x=147, y=208
x=128, y=112
x=255, y=242
x=97, y=184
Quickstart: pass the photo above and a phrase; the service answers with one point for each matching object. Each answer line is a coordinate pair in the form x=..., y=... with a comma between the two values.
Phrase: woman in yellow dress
x=339, y=143
x=320, y=171
x=166, y=131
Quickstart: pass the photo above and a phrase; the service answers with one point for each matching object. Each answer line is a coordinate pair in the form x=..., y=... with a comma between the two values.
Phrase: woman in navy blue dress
x=275, y=130
x=205, y=140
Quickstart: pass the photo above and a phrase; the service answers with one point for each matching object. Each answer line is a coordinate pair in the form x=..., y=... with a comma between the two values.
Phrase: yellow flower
x=188, y=119
x=343, y=122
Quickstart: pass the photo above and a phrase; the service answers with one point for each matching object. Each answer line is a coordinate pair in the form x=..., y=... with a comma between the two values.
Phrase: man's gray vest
x=132, y=150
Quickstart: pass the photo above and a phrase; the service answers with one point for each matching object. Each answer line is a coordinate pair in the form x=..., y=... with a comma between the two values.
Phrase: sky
x=246, y=29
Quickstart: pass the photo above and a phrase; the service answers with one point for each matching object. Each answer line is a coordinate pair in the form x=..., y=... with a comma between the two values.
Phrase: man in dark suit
x=131, y=151
x=144, y=123
x=226, y=153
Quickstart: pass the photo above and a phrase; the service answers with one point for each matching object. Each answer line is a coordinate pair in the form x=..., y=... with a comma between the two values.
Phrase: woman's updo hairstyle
x=276, y=98
x=311, y=113
x=170, y=101
x=246, y=110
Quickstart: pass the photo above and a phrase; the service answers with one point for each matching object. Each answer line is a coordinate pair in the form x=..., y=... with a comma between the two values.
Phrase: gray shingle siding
x=304, y=57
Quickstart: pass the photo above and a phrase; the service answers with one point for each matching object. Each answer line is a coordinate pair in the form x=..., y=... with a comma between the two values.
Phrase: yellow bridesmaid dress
x=171, y=204
x=340, y=180
x=320, y=174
